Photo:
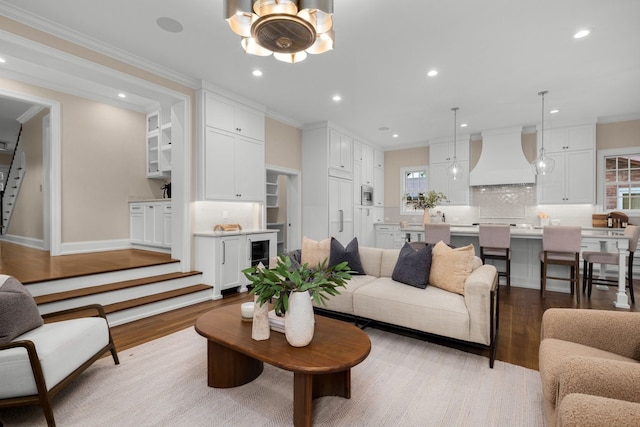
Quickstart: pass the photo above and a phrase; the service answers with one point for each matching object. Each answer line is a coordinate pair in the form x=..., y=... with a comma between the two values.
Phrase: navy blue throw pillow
x=413, y=266
x=339, y=253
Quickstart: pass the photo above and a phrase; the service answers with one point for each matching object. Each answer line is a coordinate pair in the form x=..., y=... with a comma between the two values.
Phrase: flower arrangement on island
x=425, y=201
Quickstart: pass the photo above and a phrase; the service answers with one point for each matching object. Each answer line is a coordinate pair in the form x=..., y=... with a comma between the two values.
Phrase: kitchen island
x=526, y=245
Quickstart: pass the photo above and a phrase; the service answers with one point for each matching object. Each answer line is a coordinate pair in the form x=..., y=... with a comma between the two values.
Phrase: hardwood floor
x=520, y=310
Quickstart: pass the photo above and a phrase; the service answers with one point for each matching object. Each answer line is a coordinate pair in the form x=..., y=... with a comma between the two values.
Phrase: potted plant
x=291, y=289
x=426, y=201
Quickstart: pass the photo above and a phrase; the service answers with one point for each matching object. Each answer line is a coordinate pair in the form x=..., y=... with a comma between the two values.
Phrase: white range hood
x=502, y=160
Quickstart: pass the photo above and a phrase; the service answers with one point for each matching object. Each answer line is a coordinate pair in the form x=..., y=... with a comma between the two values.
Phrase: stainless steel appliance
x=366, y=195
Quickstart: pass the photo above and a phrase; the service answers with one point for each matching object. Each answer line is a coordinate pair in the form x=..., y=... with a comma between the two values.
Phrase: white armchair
x=37, y=364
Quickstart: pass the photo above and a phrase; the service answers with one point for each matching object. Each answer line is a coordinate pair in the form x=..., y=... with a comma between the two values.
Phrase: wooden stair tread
x=109, y=287
x=119, y=306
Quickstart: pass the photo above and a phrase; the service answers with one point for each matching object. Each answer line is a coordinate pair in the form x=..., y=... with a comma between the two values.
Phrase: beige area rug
x=403, y=382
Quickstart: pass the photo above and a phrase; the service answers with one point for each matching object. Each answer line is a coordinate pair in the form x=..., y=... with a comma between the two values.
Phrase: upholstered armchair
x=39, y=355
x=590, y=367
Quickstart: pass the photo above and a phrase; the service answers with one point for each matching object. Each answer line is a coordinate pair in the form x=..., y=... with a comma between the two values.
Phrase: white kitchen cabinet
x=378, y=159
x=440, y=158
x=366, y=175
x=150, y=223
x=231, y=116
x=158, y=146
x=234, y=167
x=222, y=257
x=388, y=236
x=457, y=191
x=341, y=210
x=340, y=156
x=378, y=187
x=573, y=178
x=363, y=217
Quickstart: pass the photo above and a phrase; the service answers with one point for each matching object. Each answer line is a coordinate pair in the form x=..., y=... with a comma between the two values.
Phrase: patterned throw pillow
x=413, y=266
x=350, y=254
x=18, y=310
x=450, y=267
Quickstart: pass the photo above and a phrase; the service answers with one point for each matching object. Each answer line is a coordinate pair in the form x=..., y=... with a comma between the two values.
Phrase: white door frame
x=294, y=205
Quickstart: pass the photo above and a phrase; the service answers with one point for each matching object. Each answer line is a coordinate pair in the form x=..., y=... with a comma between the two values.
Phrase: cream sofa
x=472, y=317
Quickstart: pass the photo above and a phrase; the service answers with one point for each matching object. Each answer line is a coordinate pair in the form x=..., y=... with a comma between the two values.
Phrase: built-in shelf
x=272, y=190
x=279, y=227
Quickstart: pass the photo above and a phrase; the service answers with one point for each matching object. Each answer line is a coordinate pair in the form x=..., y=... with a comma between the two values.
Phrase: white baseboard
x=24, y=241
x=94, y=246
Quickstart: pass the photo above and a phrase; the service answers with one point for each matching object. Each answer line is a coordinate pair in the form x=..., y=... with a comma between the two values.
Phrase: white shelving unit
x=272, y=190
x=279, y=227
x=158, y=146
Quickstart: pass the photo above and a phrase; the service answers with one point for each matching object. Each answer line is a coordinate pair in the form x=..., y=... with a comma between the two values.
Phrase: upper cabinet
x=158, y=145
x=440, y=157
x=228, y=115
x=231, y=152
x=573, y=179
x=340, y=157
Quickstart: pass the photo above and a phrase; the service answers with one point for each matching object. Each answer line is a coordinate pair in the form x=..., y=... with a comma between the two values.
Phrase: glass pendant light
x=455, y=169
x=543, y=164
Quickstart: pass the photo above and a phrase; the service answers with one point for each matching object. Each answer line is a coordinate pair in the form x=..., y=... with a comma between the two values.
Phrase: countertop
x=142, y=199
x=232, y=233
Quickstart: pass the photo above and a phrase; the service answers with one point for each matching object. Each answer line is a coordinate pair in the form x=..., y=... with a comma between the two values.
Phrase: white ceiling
x=493, y=57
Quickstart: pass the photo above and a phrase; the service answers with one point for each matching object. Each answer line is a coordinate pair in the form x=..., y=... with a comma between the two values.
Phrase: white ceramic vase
x=299, y=320
x=426, y=217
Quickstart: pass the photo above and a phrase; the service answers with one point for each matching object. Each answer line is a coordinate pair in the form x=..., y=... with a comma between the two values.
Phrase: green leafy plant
x=276, y=284
x=428, y=200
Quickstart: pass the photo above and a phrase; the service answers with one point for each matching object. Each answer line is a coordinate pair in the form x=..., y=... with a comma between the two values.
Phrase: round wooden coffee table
x=322, y=368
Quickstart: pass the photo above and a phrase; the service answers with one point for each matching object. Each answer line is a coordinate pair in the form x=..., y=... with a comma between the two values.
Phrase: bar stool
x=590, y=258
x=433, y=233
x=495, y=243
x=561, y=246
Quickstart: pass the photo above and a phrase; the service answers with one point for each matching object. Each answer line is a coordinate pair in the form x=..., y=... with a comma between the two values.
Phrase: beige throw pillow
x=313, y=252
x=451, y=267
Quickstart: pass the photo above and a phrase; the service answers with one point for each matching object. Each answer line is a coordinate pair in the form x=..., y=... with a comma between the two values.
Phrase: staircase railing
x=6, y=183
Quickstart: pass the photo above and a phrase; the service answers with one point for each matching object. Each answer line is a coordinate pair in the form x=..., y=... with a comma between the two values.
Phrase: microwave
x=366, y=195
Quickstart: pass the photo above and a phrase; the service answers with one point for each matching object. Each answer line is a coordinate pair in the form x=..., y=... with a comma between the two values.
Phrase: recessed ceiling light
x=2, y=60
x=395, y=135
x=554, y=111
x=337, y=98
x=432, y=73
x=463, y=125
x=257, y=73
x=122, y=95
x=580, y=34
x=169, y=24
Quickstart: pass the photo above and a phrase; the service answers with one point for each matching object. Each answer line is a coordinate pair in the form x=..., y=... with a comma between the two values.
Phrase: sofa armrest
x=612, y=331
x=477, y=297
x=614, y=379
x=583, y=410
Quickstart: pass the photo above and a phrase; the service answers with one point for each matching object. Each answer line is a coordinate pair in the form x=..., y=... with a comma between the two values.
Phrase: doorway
x=284, y=206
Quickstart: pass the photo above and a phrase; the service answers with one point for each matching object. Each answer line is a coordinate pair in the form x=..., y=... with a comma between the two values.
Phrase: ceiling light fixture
x=432, y=73
x=2, y=61
x=257, y=73
x=455, y=169
x=580, y=34
x=337, y=98
x=289, y=29
x=555, y=111
x=122, y=95
x=543, y=164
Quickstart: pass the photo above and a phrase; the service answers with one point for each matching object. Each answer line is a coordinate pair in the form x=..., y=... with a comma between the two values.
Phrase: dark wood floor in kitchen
x=520, y=310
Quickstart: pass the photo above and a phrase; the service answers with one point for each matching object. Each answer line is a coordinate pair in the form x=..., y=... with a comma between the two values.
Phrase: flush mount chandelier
x=288, y=29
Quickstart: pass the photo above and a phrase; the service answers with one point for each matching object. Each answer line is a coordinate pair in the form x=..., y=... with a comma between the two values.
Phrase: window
x=413, y=181
x=621, y=181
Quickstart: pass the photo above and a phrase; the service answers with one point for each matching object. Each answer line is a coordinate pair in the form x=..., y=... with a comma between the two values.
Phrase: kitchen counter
x=148, y=199
x=232, y=233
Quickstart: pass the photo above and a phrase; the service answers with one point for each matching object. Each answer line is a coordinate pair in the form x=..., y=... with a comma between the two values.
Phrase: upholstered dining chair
x=495, y=243
x=605, y=258
x=433, y=233
x=561, y=246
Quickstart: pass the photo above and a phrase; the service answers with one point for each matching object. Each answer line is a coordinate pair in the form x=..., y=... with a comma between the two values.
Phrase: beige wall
x=283, y=144
x=618, y=135
x=27, y=217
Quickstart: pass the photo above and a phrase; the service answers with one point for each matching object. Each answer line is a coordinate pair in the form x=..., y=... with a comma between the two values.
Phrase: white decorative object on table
x=260, y=329
x=299, y=321
x=246, y=310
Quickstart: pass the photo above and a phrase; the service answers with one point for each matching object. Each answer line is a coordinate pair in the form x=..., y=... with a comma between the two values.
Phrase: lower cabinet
x=363, y=218
x=150, y=223
x=221, y=257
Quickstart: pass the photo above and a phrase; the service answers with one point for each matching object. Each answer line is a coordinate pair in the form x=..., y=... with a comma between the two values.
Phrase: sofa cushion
x=555, y=353
x=18, y=311
x=62, y=347
x=350, y=254
x=450, y=267
x=343, y=303
x=431, y=310
x=371, y=259
x=388, y=262
x=314, y=252
x=412, y=267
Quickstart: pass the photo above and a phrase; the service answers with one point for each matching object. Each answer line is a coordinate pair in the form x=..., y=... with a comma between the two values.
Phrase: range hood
x=502, y=160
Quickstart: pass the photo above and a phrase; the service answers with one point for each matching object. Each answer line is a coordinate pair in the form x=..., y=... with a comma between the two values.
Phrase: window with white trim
x=413, y=181
x=622, y=182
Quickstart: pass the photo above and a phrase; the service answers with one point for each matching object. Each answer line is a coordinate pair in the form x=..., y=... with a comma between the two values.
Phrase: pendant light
x=543, y=164
x=455, y=170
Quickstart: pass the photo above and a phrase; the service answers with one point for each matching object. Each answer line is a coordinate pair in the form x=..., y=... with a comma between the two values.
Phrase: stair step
x=124, y=305
x=109, y=287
